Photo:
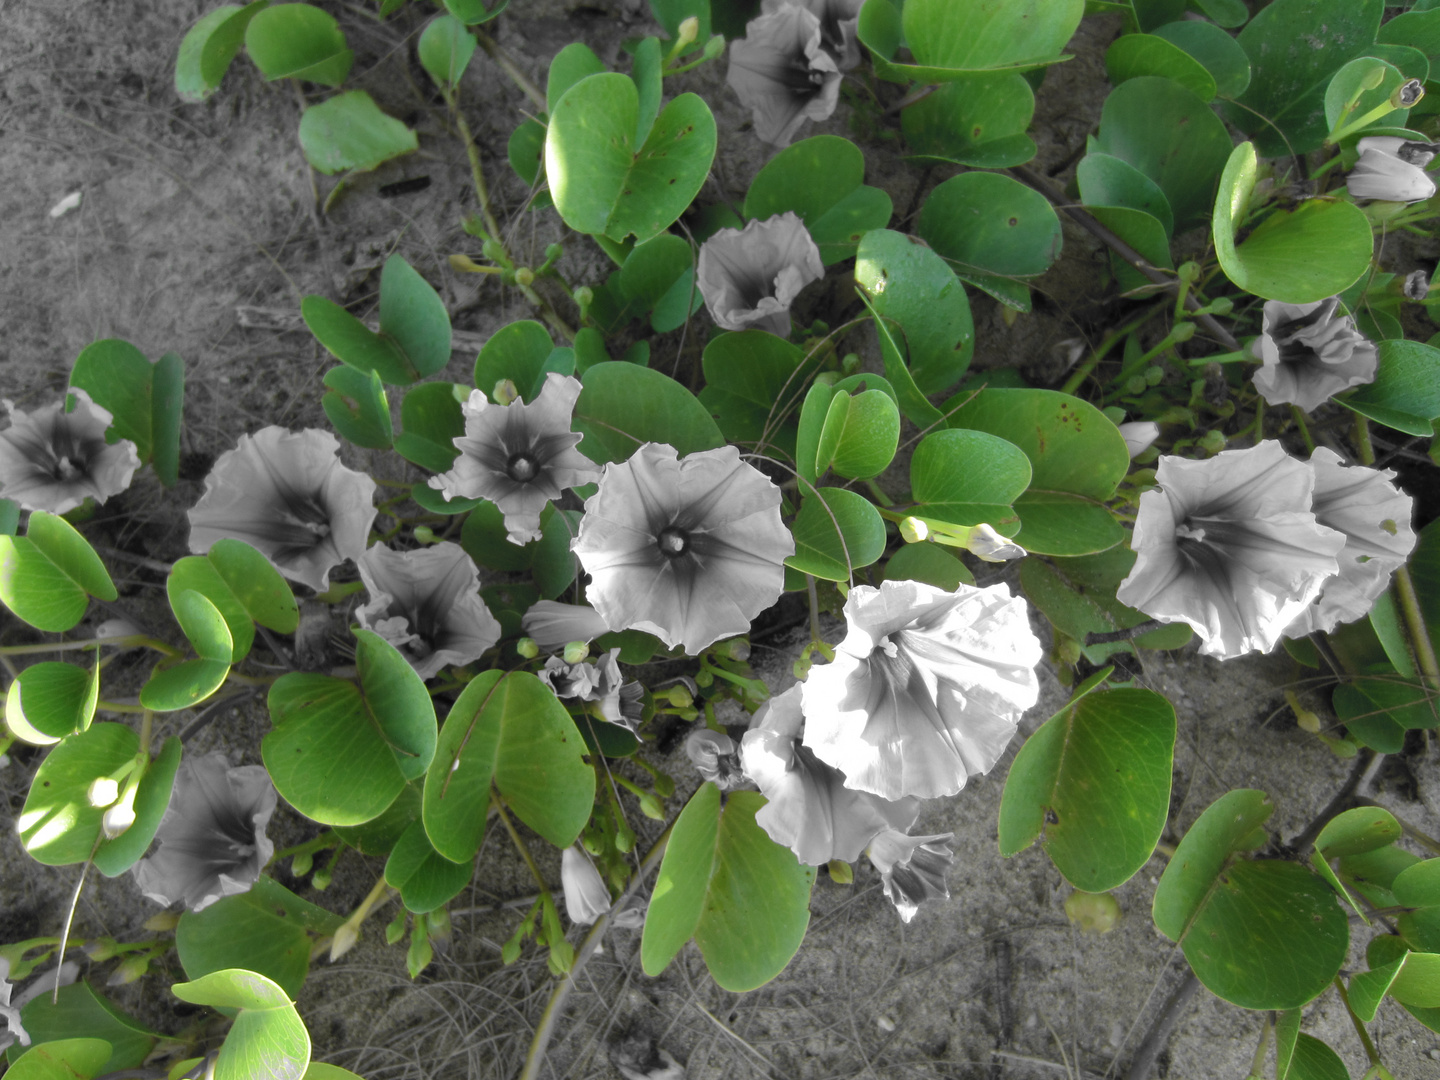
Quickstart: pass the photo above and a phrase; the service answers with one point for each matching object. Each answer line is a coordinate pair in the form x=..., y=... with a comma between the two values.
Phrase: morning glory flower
x=427, y=604
x=1231, y=546
x=749, y=277
x=1309, y=355
x=11, y=1016
x=586, y=897
x=1374, y=517
x=287, y=495
x=690, y=551
x=519, y=456
x=1139, y=436
x=212, y=837
x=715, y=757
x=1392, y=169
x=912, y=868
x=782, y=73
x=553, y=625
x=927, y=688
x=54, y=460
x=838, y=22
x=810, y=810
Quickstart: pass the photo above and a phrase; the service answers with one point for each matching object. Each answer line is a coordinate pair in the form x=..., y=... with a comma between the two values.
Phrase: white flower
x=749, y=277
x=912, y=868
x=586, y=897
x=212, y=837
x=838, y=22
x=1392, y=169
x=53, y=460
x=1374, y=517
x=713, y=753
x=553, y=625
x=1139, y=435
x=782, y=73
x=809, y=808
x=926, y=689
x=426, y=603
x=287, y=495
x=690, y=551
x=519, y=456
x=1230, y=546
x=1309, y=355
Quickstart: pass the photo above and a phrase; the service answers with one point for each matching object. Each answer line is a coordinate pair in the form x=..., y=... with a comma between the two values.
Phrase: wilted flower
x=782, y=73
x=1309, y=355
x=1374, y=517
x=689, y=550
x=912, y=868
x=1230, y=546
x=426, y=603
x=62, y=975
x=586, y=897
x=287, y=495
x=554, y=625
x=212, y=837
x=597, y=680
x=1139, y=435
x=1392, y=169
x=519, y=456
x=810, y=810
x=1416, y=286
x=53, y=460
x=11, y=1016
x=715, y=757
x=838, y=21
x=750, y=277
x=926, y=689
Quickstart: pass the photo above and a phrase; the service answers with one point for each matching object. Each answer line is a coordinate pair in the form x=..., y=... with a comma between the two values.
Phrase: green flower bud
x=302, y=864
x=1092, y=913
x=505, y=392
x=576, y=652
x=687, y=31
x=524, y=276
x=1182, y=332
x=527, y=648
x=1136, y=384
x=1155, y=373
x=679, y=695
x=913, y=530
x=652, y=807
x=1212, y=442
x=425, y=535
x=841, y=872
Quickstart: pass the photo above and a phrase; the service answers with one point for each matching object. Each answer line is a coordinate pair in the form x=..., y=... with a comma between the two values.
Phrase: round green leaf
x=1220, y=53
x=601, y=182
x=910, y=284
x=1134, y=55
x=1152, y=13
x=268, y=1037
x=349, y=133
x=553, y=565
x=623, y=405
x=183, y=685
x=425, y=878
x=255, y=582
x=1354, y=80
x=152, y=798
x=117, y=377
x=245, y=929
x=526, y=151
x=679, y=897
x=58, y=826
x=1095, y=780
x=298, y=41
x=518, y=352
x=860, y=435
x=79, y=1008
x=203, y=624
x=753, y=383
x=197, y=573
x=968, y=478
x=445, y=50
x=989, y=222
x=930, y=563
x=432, y=420
x=574, y=62
x=54, y=698
x=319, y=1070
x=1228, y=825
x=457, y=785
x=1420, y=29
x=1406, y=392
x=836, y=532
x=208, y=48
x=980, y=122
x=485, y=539
x=1419, y=885
x=62, y=1059
x=471, y=13
x=357, y=408
x=952, y=41
x=1143, y=232
x=1356, y=831
x=1171, y=136
x=46, y=575
x=1313, y=1060
x=413, y=316
x=352, y=342
x=1108, y=181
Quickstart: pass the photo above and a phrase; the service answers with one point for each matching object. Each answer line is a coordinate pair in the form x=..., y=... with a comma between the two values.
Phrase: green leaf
x=822, y=180
x=1313, y=1060
x=357, y=407
x=1418, y=885
x=208, y=48
x=600, y=182
x=991, y=223
x=836, y=533
x=518, y=352
x=744, y=898
x=152, y=799
x=255, y=582
x=1152, y=13
x=58, y=826
x=378, y=836
x=1353, y=832
x=860, y=435
x=445, y=50
x=753, y=385
x=968, y=478
x=80, y=1009
x=1077, y=457
x=912, y=402
x=1144, y=233
x=62, y=1059
x=432, y=420
x=952, y=41
x=1105, y=180
x=298, y=41
x=46, y=575
x=1420, y=29
x=980, y=122
x=526, y=151
x=425, y=878
x=930, y=563
x=192, y=681
x=1228, y=825
x=203, y=625
x=471, y=13
x=650, y=273
x=349, y=133
x=56, y=699
x=414, y=317
x=251, y=929
x=1095, y=781
x=671, y=13
x=1134, y=55
x=267, y=1038
x=909, y=283
x=1171, y=136
x=1294, y=47
x=1216, y=50
x=1378, y=711
x=117, y=377
x=574, y=62
x=1406, y=392
x=623, y=405
x=167, y=407
x=1355, y=80
x=648, y=79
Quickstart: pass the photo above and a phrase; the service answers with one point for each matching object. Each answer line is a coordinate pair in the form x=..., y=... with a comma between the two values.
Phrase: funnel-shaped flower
x=1374, y=517
x=553, y=625
x=586, y=897
x=427, y=604
x=810, y=810
x=519, y=456
x=926, y=689
x=1392, y=169
x=1309, y=355
x=53, y=460
x=689, y=550
x=1230, y=546
x=838, y=22
x=1139, y=435
x=715, y=757
x=287, y=495
x=749, y=277
x=782, y=73
x=912, y=868
x=212, y=837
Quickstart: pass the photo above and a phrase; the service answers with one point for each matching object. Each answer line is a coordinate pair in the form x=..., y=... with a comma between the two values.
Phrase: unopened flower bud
x=302, y=864
x=527, y=648
x=1155, y=374
x=1136, y=385
x=505, y=392
x=524, y=276
x=584, y=297
x=1092, y=913
x=680, y=695
x=735, y=649
x=553, y=252
x=991, y=546
x=841, y=872
x=343, y=941
x=1182, y=332
x=119, y=817
x=494, y=251
x=1139, y=435
x=687, y=31
x=130, y=969
x=1222, y=305
x=101, y=949
x=586, y=897
x=425, y=535
x=162, y=923
x=117, y=627
x=103, y=791
x=652, y=807
x=576, y=652
x=913, y=530
x=1212, y=442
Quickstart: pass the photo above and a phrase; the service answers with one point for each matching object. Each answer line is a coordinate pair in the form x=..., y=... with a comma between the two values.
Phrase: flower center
x=521, y=468
x=673, y=542
x=65, y=469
